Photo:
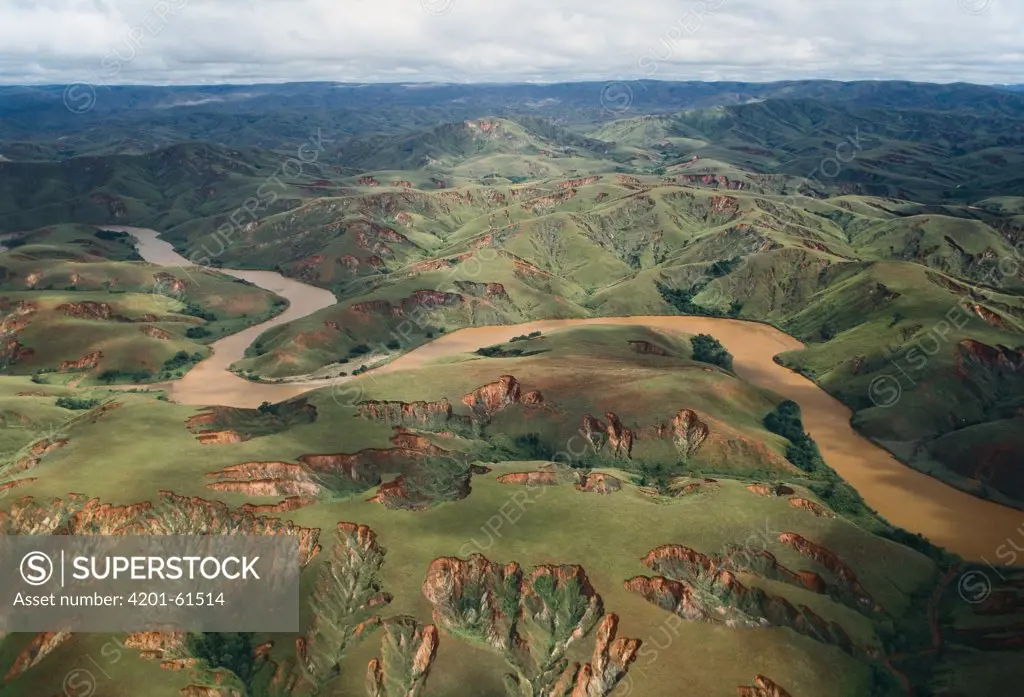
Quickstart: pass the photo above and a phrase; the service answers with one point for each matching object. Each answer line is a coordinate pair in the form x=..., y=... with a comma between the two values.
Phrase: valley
x=557, y=401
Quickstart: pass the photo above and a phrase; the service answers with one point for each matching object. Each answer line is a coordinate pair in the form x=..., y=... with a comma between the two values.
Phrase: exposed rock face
x=18, y=317
x=704, y=587
x=488, y=400
x=39, y=648
x=153, y=645
x=7, y=486
x=368, y=181
x=844, y=574
x=86, y=362
x=530, y=478
x=647, y=347
x=341, y=472
x=490, y=291
x=995, y=357
x=689, y=433
x=155, y=332
x=766, y=490
x=599, y=483
x=377, y=307
x=764, y=688
x=816, y=508
x=620, y=438
x=219, y=437
x=288, y=504
x=236, y=424
x=717, y=596
x=169, y=282
x=532, y=621
x=208, y=691
x=719, y=180
x=575, y=183
x=594, y=431
x=77, y=514
x=343, y=602
x=86, y=310
x=419, y=414
x=408, y=650
x=433, y=299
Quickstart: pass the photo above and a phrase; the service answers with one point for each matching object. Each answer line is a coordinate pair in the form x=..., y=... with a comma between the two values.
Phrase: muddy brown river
x=965, y=524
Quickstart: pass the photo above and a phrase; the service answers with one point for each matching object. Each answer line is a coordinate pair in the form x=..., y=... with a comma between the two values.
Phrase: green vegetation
x=234, y=651
x=77, y=403
x=522, y=220
x=708, y=349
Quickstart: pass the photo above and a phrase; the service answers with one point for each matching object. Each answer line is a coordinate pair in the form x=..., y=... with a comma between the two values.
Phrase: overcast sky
x=208, y=41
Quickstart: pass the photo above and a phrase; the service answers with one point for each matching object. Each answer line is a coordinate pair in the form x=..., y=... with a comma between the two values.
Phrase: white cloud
x=199, y=41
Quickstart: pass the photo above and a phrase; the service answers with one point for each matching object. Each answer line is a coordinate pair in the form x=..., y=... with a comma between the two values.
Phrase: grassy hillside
x=627, y=379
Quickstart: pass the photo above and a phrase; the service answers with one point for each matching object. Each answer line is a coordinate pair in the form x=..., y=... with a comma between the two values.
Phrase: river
x=964, y=524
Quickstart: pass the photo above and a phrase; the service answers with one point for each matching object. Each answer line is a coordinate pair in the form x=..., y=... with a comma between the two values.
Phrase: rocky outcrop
x=288, y=504
x=646, y=347
x=532, y=620
x=689, y=433
x=432, y=299
x=219, y=437
x=490, y=291
x=40, y=647
x=169, y=283
x=719, y=180
x=86, y=362
x=771, y=490
x=575, y=183
x=704, y=587
x=763, y=688
x=153, y=645
x=7, y=486
x=594, y=431
x=87, y=310
x=530, y=478
x=209, y=691
x=343, y=602
x=355, y=264
x=368, y=181
x=489, y=399
x=169, y=514
x=377, y=307
x=994, y=357
x=599, y=483
x=408, y=649
x=845, y=576
x=434, y=415
x=18, y=316
x=336, y=473
x=620, y=438
x=155, y=332
x=36, y=452
x=816, y=508
x=716, y=596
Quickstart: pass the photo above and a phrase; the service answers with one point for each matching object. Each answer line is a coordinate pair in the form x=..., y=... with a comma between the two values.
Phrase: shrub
x=393, y=345
x=359, y=350
x=76, y=403
x=708, y=349
x=197, y=332
x=194, y=310
x=233, y=651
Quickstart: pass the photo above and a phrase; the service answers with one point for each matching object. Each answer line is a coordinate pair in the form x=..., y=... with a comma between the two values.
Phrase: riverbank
x=966, y=525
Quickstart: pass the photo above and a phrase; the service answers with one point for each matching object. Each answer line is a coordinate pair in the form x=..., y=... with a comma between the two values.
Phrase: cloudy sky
x=206, y=41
